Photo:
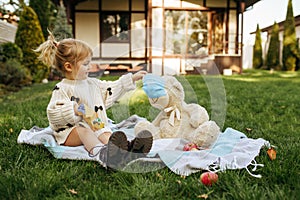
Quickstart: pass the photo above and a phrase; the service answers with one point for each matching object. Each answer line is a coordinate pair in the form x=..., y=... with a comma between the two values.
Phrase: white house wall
x=138, y=47
x=114, y=50
x=216, y=3
x=7, y=32
x=137, y=34
x=88, y=30
x=137, y=4
x=88, y=5
x=172, y=66
x=157, y=32
x=157, y=66
x=115, y=4
x=191, y=4
x=172, y=3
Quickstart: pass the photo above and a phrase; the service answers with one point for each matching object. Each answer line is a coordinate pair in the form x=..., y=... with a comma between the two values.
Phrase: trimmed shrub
x=12, y=73
x=257, y=50
x=272, y=60
x=10, y=50
x=298, y=57
x=28, y=37
x=290, y=50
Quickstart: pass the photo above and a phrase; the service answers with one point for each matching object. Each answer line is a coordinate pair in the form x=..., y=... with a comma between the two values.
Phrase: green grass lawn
x=267, y=104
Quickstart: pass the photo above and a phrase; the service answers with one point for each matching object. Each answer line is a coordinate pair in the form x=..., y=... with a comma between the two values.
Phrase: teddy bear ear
x=175, y=86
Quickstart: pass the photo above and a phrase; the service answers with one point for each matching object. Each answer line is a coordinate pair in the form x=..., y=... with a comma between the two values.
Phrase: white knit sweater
x=92, y=92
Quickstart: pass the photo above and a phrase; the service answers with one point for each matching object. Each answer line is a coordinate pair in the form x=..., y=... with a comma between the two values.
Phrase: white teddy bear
x=176, y=119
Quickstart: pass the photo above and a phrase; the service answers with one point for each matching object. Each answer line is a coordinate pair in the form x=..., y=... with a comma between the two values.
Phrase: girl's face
x=81, y=70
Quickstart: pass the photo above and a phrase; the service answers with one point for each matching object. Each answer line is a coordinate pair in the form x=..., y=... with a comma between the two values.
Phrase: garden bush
x=10, y=50
x=272, y=60
x=290, y=50
x=13, y=74
x=257, y=50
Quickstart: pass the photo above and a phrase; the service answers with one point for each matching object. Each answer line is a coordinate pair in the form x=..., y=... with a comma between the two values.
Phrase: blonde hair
x=56, y=54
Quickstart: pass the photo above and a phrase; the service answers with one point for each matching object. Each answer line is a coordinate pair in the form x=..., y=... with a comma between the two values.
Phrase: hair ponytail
x=56, y=54
x=47, y=50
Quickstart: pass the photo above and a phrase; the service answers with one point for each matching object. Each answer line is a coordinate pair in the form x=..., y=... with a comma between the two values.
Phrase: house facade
x=165, y=36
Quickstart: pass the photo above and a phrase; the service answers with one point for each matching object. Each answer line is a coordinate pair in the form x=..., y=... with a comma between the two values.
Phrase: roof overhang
x=248, y=3
x=244, y=4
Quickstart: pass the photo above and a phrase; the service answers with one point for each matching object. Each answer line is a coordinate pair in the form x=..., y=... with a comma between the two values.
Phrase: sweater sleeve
x=113, y=90
x=60, y=111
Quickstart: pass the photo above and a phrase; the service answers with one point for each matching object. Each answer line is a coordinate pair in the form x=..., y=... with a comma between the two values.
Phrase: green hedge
x=13, y=74
x=10, y=50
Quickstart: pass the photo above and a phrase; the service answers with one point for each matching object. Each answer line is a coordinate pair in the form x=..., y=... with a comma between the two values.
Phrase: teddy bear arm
x=156, y=122
x=197, y=111
x=206, y=134
x=198, y=114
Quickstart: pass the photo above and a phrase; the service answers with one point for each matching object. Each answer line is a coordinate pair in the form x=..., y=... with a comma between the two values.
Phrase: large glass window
x=186, y=32
x=114, y=27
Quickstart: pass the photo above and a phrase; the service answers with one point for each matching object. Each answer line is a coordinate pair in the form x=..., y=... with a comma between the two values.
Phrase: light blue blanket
x=232, y=150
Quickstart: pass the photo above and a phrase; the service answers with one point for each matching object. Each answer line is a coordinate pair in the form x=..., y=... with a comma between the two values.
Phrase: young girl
x=78, y=93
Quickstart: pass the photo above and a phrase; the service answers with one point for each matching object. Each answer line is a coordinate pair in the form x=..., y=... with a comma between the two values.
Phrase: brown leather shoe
x=117, y=150
x=142, y=143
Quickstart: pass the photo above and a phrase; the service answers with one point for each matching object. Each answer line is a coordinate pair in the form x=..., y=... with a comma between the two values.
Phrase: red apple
x=209, y=178
x=194, y=149
x=190, y=146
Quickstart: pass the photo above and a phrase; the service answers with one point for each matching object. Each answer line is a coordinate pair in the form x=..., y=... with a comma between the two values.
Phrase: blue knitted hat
x=154, y=86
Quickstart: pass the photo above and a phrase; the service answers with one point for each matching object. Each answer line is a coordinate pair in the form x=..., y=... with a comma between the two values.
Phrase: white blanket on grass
x=232, y=150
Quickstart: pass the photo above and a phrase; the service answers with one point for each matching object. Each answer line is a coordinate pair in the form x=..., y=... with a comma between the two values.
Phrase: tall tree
x=298, y=57
x=28, y=37
x=62, y=29
x=290, y=51
x=257, y=50
x=45, y=13
x=272, y=60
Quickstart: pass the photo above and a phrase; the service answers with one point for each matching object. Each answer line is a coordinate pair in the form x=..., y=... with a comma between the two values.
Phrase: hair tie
x=55, y=43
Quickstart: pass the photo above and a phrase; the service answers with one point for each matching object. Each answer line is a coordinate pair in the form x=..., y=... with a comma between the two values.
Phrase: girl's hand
x=76, y=109
x=139, y=75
